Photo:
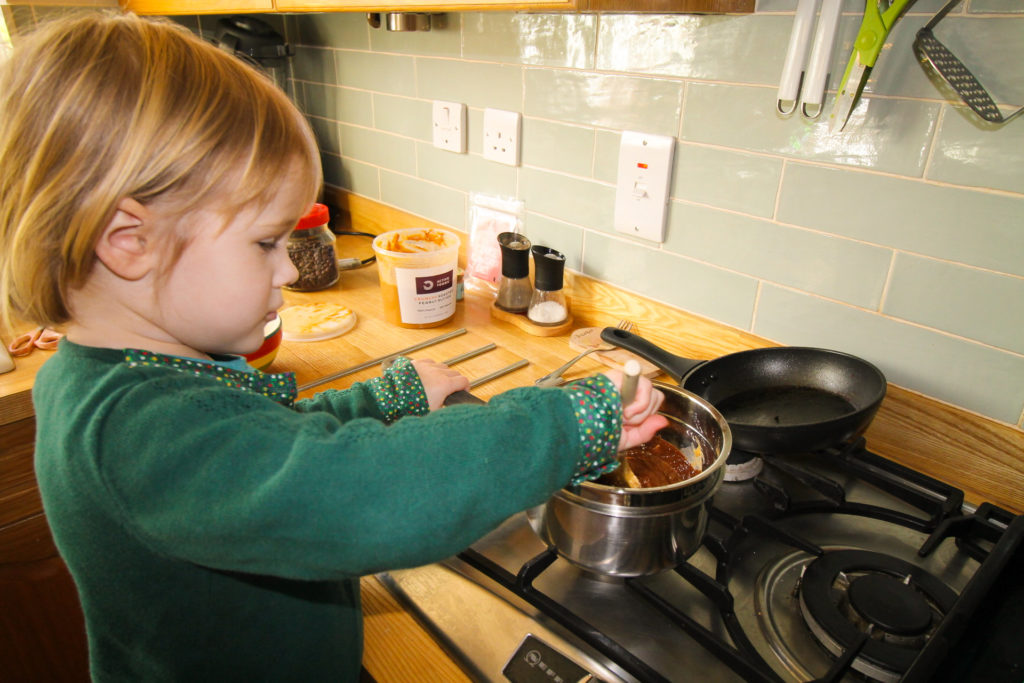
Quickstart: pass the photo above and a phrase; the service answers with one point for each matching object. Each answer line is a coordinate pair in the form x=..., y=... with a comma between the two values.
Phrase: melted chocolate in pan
x=655, y=463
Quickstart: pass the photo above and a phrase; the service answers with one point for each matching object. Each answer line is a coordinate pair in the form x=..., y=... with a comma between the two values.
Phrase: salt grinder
x=514, y=290
x=547, y=305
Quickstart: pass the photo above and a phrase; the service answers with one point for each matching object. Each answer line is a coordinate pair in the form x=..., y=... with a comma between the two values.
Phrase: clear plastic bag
x=489, y=217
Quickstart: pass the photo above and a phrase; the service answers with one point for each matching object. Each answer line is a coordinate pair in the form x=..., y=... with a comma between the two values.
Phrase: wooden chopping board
x=587, y=338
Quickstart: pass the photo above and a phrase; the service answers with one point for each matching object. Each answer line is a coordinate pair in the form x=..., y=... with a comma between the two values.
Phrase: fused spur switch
x=449, y=124
x=642, y=192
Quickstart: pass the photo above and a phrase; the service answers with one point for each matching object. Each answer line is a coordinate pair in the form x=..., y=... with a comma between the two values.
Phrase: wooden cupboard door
x=42, y=630
x=197, y=6
x=19, y=495
x=245, y=6
x=422, y=5
x=669, y=6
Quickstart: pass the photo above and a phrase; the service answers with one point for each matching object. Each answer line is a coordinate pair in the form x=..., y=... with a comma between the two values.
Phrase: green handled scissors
x=874, y=29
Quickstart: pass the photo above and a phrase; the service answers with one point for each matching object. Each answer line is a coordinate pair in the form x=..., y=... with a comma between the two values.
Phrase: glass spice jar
x=311, y=249
x=548, y=304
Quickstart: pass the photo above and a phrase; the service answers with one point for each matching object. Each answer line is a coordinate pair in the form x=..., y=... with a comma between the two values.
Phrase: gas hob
x=837, y=565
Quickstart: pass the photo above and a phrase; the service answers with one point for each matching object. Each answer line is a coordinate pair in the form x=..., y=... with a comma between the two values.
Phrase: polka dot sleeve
x=399, y=391
x=599, y=414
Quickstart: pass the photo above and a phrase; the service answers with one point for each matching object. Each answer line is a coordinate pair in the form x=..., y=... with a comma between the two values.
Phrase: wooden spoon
x=628, y=393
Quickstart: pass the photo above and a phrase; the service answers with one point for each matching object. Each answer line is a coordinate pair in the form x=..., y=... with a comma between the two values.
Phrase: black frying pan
x=784, y=399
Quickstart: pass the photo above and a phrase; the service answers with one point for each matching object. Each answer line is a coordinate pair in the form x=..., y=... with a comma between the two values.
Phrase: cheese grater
x=931, y=51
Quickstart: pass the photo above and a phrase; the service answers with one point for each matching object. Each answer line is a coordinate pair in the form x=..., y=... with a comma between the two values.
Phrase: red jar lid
x=317, y=215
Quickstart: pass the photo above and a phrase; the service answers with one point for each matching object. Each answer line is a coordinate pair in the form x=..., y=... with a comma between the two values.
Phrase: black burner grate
x=991, y=536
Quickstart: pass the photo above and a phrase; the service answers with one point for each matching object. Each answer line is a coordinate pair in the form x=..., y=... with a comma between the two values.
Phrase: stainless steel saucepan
x=640, y=531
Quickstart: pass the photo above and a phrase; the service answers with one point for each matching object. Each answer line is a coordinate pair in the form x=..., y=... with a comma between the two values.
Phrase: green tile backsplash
x=899, y=239
x=946, y=366
x=984, y=229
x=566, y=40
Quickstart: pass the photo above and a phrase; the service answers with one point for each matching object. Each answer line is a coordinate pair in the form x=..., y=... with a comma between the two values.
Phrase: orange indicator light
x=641, y=164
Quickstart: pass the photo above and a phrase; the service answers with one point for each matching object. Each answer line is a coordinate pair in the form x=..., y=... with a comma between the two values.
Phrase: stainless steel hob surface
x=762, y=536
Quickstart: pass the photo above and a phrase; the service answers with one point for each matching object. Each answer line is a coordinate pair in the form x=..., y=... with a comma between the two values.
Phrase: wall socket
x=502, y=131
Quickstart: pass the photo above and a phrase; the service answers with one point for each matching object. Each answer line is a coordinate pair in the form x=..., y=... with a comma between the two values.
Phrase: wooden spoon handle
x=628, y=391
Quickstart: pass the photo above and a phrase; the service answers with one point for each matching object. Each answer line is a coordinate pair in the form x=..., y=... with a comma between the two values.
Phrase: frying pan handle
x=462, y=396
x=675, y=366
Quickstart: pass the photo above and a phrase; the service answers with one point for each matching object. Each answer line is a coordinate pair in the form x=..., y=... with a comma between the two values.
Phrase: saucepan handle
x=675, y=366
x=462, y=396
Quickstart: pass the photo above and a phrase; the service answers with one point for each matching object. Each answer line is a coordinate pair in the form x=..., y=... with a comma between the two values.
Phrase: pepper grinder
x=547, y=305
x=514, y=290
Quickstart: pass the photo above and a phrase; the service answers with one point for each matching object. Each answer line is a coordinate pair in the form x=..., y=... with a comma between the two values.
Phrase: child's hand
x=439, y=381
x=640, y=419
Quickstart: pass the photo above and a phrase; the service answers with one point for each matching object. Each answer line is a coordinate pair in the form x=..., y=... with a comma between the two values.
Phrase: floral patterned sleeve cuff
x=399, y=391
x=599, y=414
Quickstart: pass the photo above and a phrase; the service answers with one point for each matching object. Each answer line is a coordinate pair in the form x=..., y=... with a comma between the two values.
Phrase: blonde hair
x=98, y=108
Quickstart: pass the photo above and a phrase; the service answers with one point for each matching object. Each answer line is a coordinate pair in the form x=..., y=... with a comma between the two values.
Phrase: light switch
x=449, y=124
x=641, y=196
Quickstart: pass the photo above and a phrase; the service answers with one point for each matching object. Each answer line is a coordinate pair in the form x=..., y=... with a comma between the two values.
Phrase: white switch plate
x=641, y=196
x=449, y=124
x=501, y=136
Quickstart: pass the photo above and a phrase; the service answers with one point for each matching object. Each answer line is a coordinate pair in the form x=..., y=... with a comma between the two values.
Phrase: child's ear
x=126, y=246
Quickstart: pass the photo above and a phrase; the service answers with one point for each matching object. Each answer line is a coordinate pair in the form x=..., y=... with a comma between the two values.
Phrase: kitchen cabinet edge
x=670, y=6
x=191, y=7
x=61, y=3
x=422, y=6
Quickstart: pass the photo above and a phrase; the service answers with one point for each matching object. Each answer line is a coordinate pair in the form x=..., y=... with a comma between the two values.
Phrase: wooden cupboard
x=62, y=3
x=255, y=6
x=42, y=630
x=200, y=7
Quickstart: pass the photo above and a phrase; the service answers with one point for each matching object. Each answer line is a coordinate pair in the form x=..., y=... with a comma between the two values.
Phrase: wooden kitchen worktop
x=980, y=456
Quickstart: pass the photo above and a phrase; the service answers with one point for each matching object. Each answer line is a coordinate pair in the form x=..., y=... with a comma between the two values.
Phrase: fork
x=554, y=378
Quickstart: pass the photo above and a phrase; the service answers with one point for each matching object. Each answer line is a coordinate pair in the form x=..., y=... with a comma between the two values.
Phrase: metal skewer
x=498, y=373
x=471, y=354
x=375, y=361
x=464, y=396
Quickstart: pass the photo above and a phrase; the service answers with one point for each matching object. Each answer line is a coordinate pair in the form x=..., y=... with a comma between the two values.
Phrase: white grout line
x=888, y=281
x=756, y=306
x=778, y=191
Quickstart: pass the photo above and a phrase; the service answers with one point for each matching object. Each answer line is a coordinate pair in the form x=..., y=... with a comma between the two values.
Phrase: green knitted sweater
x=216, y=528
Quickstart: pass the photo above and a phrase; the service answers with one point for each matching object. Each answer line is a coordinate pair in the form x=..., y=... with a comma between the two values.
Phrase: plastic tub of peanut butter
x=417, y=269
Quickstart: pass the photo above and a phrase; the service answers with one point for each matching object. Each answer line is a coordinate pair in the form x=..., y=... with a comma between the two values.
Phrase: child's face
x=227, y=282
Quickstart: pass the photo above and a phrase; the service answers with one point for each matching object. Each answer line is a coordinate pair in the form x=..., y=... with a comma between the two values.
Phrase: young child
x=215, y=526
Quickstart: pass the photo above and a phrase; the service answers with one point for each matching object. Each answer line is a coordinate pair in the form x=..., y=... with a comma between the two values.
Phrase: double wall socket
x=449, y=124
x=502, y=131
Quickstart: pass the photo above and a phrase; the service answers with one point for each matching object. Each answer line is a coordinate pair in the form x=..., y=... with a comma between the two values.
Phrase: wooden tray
x=525, y=324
